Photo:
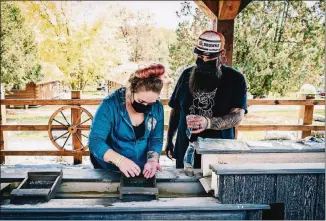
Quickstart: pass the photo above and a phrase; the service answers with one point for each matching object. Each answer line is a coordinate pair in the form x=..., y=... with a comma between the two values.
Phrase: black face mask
x=140, y=108
x=208, y=66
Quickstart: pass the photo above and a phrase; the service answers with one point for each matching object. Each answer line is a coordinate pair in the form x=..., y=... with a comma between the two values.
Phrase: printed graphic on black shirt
x=203, y=103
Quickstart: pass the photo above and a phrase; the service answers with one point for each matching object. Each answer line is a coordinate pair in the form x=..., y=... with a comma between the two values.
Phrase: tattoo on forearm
x=227, y=121
x=152, y=156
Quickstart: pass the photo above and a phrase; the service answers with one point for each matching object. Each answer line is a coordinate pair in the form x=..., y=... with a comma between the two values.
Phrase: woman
x=127, y=130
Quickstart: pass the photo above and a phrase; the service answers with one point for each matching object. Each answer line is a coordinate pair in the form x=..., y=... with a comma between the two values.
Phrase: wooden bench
x=219, y=151
x=296, y=190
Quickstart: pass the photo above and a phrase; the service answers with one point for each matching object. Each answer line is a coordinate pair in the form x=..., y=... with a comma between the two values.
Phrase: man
x=213, y=95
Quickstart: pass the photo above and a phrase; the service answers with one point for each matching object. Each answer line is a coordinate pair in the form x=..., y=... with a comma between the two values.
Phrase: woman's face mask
x=144, y=101
x=140, y=108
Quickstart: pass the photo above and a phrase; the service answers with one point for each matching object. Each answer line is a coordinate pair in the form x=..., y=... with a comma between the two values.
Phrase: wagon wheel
x=67, y=128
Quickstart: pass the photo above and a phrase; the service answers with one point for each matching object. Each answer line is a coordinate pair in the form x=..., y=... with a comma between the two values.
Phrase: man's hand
x=197, y=123
x=129, y=168
x=169, y=150
x=150, y=169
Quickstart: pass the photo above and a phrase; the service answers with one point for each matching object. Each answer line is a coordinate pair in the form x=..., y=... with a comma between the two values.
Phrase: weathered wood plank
x=254, y=189
x=320, y=202
x=242, y=127
x=76, y=120
x=298, y=193
x=137, y=215
x=51, y=101
x=210, y=159
x=110, y=205
x=46, y=153
x=307, y=119
x=164, y=101
x=208, y=146
x=93, y=175
x=269, y=168
x=250, y=127
x=285, y=102
x=284, y=146
x=38, y=127
x=264, y=158
x=220, y=146
x=43, y=153
x=111, y=189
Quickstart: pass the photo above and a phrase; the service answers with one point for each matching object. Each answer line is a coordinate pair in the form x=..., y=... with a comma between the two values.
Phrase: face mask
x=140, y=108
x=206, y=66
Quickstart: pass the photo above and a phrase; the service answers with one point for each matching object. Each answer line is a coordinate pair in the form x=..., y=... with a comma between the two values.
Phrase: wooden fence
x=306, y=113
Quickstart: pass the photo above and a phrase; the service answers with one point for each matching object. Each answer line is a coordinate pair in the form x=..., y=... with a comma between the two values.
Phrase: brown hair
x=149, y=78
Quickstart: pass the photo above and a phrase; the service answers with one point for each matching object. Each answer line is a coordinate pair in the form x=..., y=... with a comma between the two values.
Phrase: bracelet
x=119, y=161
x=208, y=123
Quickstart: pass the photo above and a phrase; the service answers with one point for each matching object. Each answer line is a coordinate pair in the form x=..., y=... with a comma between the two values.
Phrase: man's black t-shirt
x=230, y=92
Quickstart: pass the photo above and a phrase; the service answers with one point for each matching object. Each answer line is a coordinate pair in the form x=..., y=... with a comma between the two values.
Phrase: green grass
x=28, y=119
x=320, y=112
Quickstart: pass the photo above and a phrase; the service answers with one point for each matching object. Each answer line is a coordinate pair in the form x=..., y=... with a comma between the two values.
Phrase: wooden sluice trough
x=94, y=194
x=233, y=190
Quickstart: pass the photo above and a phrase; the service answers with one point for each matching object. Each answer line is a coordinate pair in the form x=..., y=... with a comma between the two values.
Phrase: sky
x=164, y=12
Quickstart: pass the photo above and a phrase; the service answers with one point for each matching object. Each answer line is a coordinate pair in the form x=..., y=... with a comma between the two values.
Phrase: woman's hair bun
x=154, y=70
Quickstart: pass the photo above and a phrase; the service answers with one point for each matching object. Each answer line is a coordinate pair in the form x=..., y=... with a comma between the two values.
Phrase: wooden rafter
x=228, y=9
x=210, y=8
x=222, y=9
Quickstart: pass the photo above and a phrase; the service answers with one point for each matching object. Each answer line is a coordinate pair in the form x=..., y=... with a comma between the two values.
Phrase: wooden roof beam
x=210, y=8
x=222, y=9
x=228, y=9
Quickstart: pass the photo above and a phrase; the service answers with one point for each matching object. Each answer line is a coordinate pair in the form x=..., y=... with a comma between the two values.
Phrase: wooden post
x=3, y=135
x=76, y=119
x=306, y=113
x=226, y=27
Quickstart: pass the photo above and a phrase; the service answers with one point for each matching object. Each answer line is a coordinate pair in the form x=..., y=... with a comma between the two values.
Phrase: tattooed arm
x=200, y=123
x=227, y=121
x=152, y=156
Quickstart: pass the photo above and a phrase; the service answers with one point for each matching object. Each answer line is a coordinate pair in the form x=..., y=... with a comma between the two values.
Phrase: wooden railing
x=306, y=113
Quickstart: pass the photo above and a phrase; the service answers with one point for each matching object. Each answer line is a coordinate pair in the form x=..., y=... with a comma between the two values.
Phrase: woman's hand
x=152, y=164
x=151, y=168
x=129, y=168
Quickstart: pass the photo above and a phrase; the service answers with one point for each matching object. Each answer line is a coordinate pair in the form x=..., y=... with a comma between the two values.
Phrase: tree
x=19, y=62
x=140, y=41
x=77, y=49
x=181, y=52
x=278, y=45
